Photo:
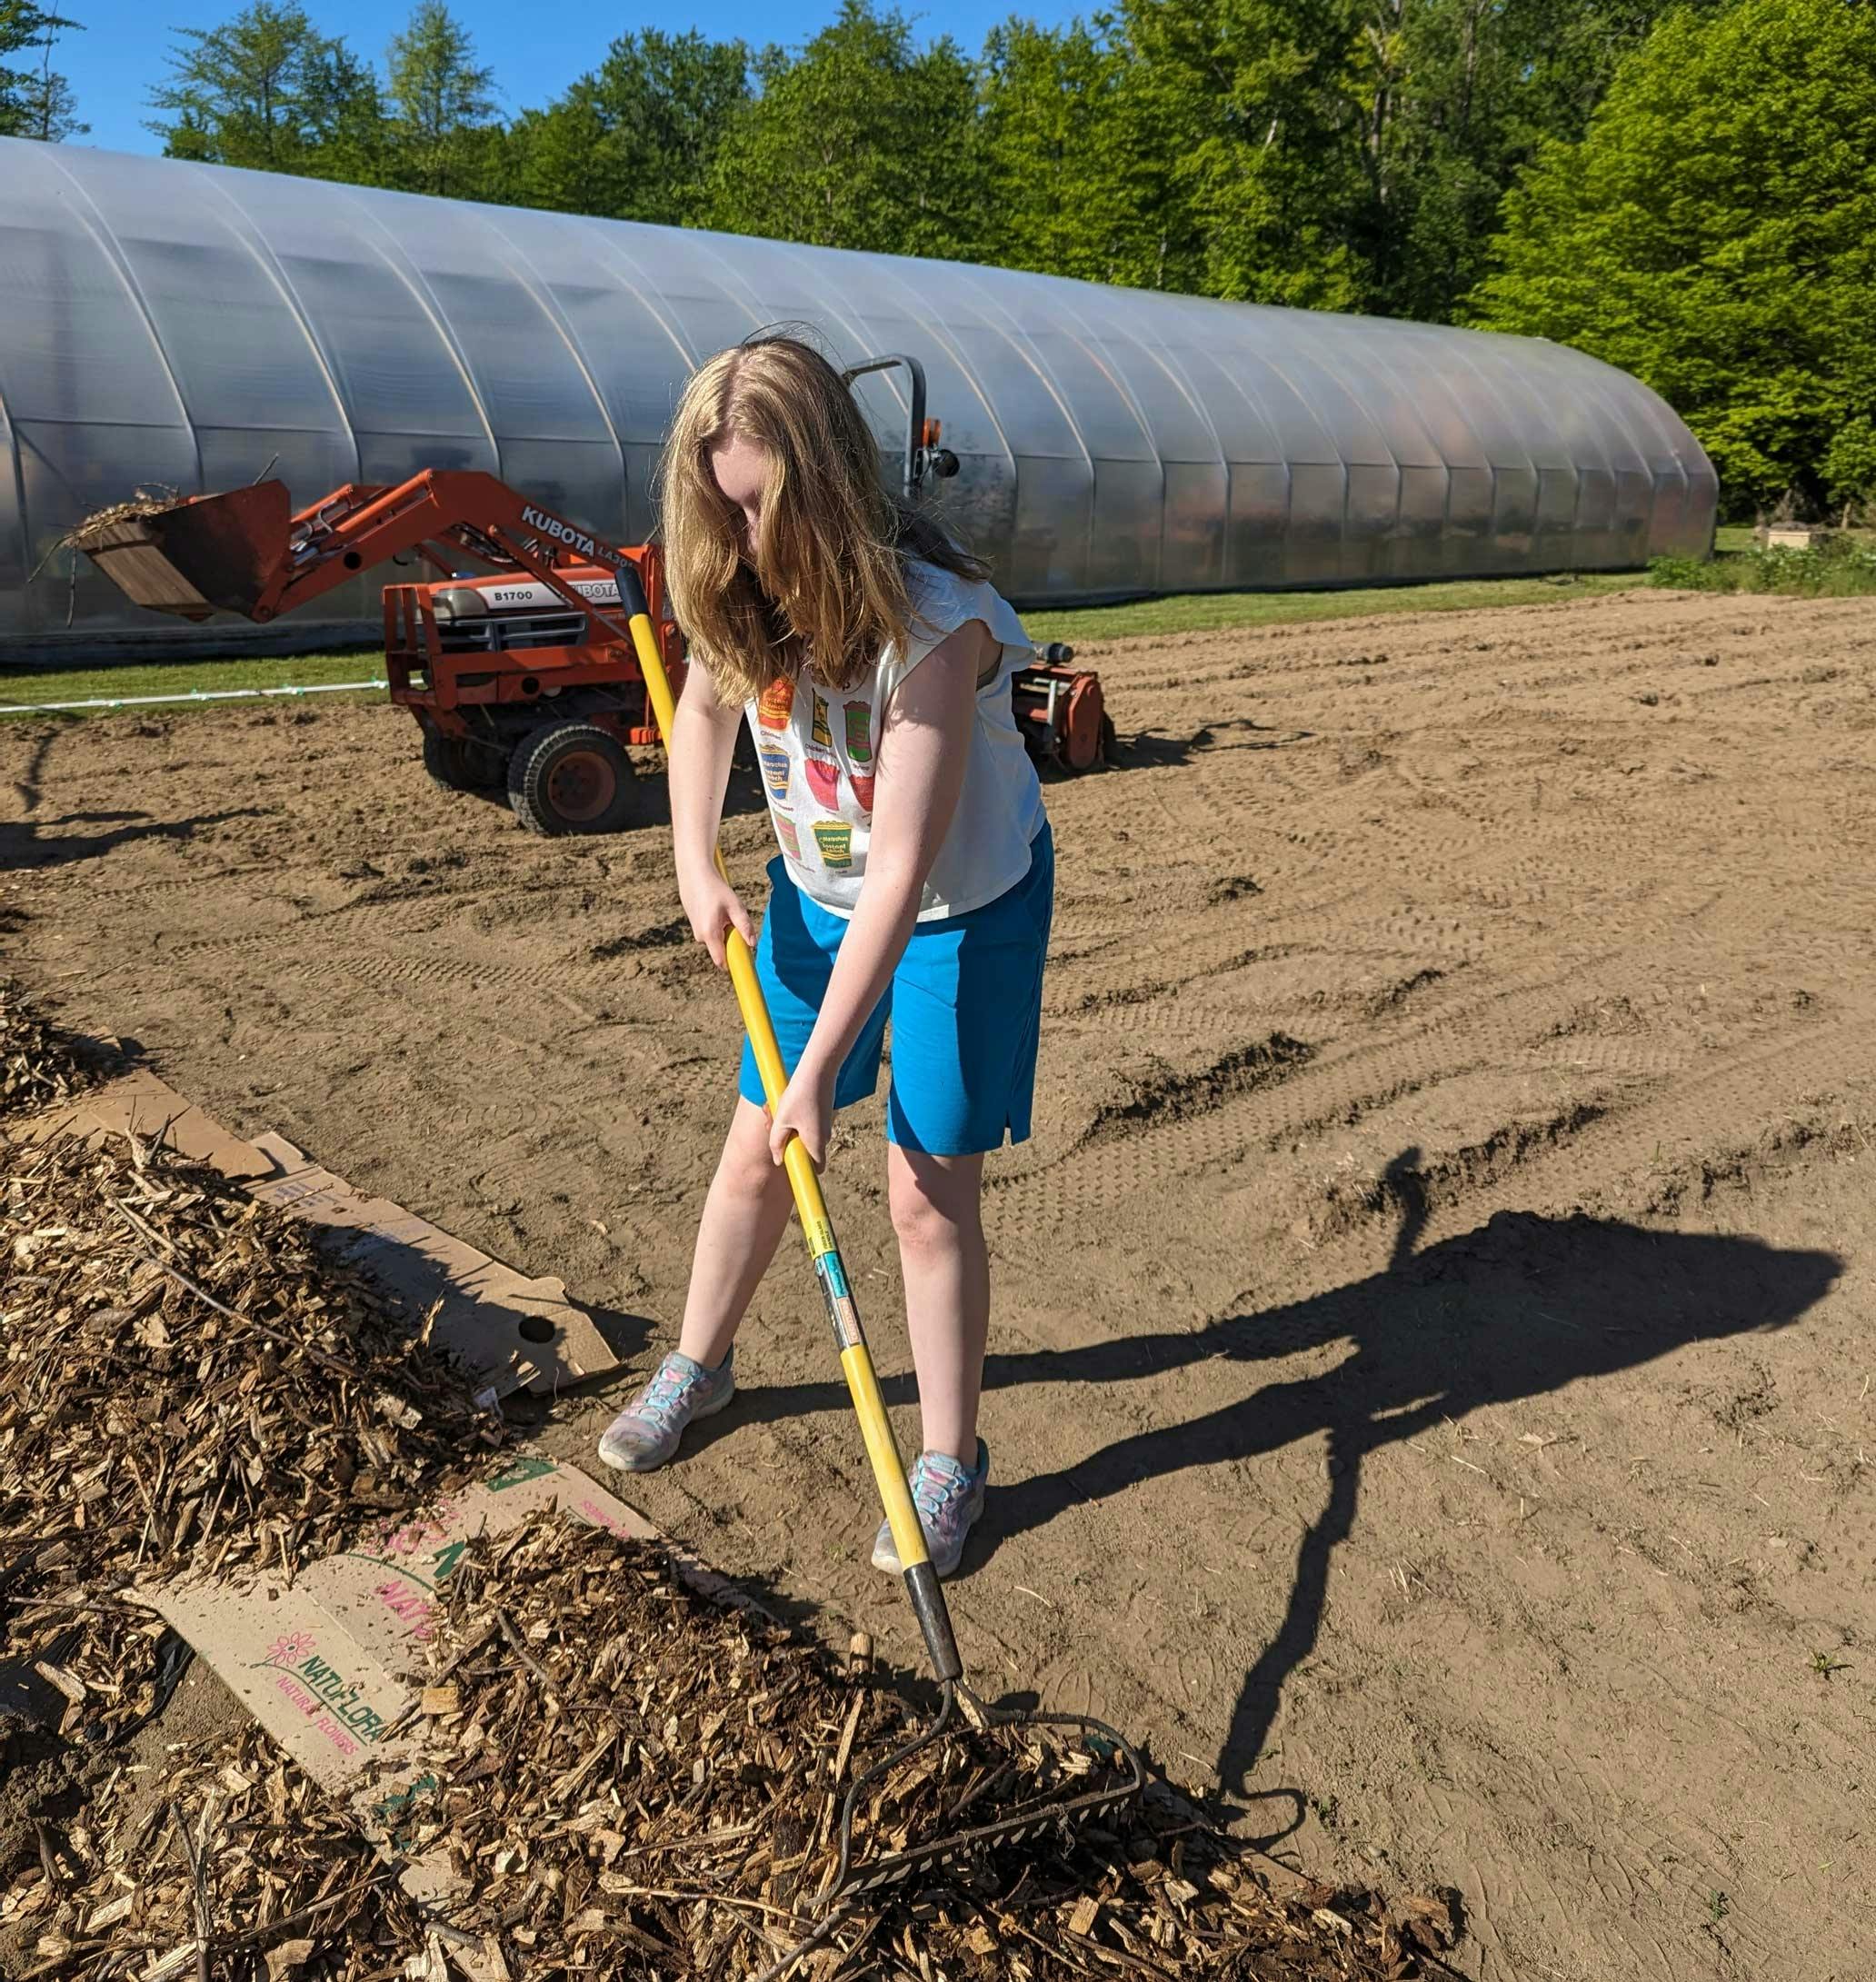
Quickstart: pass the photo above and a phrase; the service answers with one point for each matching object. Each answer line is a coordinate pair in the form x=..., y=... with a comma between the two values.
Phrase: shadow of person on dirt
x=1519, y=1309
x=27, y=785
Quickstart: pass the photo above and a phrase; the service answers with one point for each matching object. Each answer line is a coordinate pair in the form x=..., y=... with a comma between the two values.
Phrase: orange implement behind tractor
x=521, y=675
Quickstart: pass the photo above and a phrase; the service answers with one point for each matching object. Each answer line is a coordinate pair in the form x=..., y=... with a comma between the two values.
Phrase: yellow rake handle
x=856, y=1360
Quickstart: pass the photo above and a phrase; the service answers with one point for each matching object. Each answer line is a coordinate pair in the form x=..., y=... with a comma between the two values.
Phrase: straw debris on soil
x=188, y=1380
x=41, y=1065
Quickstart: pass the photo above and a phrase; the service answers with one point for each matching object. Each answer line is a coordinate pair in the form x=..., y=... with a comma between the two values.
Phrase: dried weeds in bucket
x=148, y=502
x=157, y=501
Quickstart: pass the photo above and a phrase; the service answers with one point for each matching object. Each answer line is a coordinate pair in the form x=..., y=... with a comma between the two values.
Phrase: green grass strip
x=39, y=686
x=1219, y=611
x=1184, y=613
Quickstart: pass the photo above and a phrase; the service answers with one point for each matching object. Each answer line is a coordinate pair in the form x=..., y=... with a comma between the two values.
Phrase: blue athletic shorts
x=965, y=1003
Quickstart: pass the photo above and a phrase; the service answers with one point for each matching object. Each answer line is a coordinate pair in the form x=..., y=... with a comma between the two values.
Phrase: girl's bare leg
x=937, y=1213
x=744, y=1216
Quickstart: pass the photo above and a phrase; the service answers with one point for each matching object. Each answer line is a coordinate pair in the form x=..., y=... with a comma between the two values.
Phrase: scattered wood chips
x=40, y=1065
x=228, y=1837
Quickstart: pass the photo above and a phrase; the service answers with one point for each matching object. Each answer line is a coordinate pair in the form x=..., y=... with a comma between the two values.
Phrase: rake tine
x=848, y=1883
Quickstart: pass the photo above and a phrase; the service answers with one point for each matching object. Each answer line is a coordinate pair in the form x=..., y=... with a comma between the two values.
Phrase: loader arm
x=242, y=553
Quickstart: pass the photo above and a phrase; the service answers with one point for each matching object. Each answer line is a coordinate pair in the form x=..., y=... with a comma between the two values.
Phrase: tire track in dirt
x=1577, y=949
x=1478, y=1026
x=1588, y=1152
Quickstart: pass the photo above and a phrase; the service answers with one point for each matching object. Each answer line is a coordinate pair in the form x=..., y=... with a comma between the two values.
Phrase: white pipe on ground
x=199, y=694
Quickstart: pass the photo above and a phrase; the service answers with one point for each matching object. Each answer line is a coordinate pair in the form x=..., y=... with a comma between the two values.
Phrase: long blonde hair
x=825, y=584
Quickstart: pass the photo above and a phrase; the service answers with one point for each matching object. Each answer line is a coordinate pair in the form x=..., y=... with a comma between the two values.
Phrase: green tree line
x=36, y=100
x=1685, y=187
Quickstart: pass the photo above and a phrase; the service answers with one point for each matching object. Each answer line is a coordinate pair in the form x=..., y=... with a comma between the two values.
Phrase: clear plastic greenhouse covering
x=190, y=327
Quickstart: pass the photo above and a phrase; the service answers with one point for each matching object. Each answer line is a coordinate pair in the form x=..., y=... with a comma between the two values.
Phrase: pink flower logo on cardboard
x=287, y=1650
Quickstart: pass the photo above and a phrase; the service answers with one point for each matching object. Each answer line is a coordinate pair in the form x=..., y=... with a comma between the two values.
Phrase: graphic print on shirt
x=835, y=840
x=859, y=721
x=785, y=833
x=776, y=705
x=775, y=767
x=819, y=764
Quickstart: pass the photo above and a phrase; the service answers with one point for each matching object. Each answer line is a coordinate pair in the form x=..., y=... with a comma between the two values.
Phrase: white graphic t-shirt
x=819, y=752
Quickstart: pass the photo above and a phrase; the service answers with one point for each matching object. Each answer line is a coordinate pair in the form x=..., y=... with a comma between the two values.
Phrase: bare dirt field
x=1431, y=1394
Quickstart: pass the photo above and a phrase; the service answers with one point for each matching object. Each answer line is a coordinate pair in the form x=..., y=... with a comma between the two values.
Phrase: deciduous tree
x=268, y=91
x=36, y=101
x=1078, y=177
x=1258, y=103
x=635, y=140
x=1714, y=232
x=440, y=105
x=862, y=140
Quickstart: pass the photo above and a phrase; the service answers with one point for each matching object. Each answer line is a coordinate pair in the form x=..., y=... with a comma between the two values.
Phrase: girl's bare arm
x=703, y=742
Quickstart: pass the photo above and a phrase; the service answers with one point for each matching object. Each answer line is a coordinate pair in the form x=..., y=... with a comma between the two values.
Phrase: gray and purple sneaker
x=949, y=1497
x=644, y=1435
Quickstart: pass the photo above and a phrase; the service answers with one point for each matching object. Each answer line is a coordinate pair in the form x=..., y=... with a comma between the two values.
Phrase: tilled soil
x=1431, y=1392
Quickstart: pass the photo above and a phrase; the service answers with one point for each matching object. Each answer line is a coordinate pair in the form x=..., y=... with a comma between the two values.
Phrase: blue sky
x=535, y=53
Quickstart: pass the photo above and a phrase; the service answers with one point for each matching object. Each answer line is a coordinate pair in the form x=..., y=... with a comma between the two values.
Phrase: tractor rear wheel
x=572, y=777
x=458, y=765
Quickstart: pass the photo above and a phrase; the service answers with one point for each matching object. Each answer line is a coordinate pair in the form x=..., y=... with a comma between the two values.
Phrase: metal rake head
x=1101, y=1747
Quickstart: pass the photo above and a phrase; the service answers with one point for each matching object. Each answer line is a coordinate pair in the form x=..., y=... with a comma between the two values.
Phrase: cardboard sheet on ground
x=522, y=1333
x=329, y=1663
x=332, y=1666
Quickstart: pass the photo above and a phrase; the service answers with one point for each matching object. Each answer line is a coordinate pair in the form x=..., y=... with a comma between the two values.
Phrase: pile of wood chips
x=40, y=1065
x=634, y=1780
x=226, y=1861
x=637, y=1783
x=188, y=1380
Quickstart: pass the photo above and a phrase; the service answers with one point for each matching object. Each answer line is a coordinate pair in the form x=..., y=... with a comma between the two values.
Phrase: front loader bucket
x=207, y=553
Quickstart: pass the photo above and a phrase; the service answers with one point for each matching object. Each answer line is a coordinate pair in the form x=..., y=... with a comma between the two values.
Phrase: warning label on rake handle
x=840, y=1310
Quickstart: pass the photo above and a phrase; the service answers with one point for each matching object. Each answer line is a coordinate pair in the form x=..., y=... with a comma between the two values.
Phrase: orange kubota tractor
x=523, y=674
